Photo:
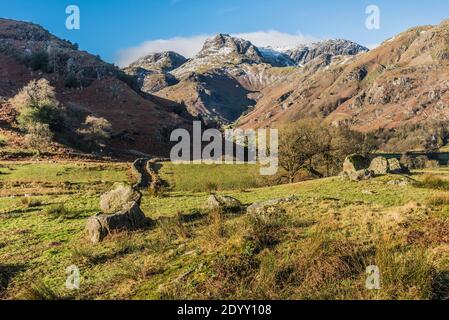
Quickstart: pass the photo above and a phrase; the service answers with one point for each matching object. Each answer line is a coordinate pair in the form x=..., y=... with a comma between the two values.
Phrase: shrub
x=39, y=60
x=95, y=131
x=36, y=103
x=71, y=81
x=39, y=136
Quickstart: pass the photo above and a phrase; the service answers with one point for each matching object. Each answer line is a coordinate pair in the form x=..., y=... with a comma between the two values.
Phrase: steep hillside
x=403, y=82
x=85, y=85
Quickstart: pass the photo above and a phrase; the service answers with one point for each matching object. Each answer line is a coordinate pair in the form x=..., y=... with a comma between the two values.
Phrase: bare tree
x=297, y=147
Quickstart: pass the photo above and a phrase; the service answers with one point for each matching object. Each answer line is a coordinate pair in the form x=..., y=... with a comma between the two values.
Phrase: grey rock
x=355, y=163
x=401, y=182
x=361, y=175
x=129, y=218
x=266, y=207
x=162, y=61
x=336, y=47
x=396, y=167
x=380, y=166
x=113, y=201
x=222, y=202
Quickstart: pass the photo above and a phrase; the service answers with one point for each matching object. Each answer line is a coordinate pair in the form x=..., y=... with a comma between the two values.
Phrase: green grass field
x=318, y=249
x=198, y=177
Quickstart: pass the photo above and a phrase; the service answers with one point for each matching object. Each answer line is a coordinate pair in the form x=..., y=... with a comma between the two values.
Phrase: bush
x=37, y=103
x=39, y=61
x=71, y=81
x=95, y=131
x=39, y=136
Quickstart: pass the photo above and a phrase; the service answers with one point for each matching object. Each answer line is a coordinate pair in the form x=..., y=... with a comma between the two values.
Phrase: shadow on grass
x=440, y=286
x=7, y=273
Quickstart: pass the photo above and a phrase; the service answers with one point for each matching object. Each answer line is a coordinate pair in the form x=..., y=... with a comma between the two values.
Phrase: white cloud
x=190, y=46
x=373, y=46
x=276, y=39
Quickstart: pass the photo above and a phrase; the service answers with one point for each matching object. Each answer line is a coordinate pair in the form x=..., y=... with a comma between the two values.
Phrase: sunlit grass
x=319, y=250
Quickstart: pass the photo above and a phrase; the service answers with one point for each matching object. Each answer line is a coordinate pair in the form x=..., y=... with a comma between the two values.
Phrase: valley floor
x=318, y=248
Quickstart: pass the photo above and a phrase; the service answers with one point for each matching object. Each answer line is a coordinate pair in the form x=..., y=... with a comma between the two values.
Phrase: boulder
x=267, y=207
x=396, y=167
x=379, y=166
x=113, y=201
x=361, y=175
x=129, y=218
x=354, y=163
x=222, y=202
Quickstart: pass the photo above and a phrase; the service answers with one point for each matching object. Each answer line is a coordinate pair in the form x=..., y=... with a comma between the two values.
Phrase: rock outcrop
x=381, y=166
x=357, y=167
x=85, y=86
x=335, y=47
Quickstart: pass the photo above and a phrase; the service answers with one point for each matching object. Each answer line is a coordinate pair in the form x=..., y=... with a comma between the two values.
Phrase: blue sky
x=110, y=27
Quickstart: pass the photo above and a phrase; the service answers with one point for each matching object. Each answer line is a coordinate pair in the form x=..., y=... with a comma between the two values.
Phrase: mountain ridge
x=227, y=61
x=399, y=90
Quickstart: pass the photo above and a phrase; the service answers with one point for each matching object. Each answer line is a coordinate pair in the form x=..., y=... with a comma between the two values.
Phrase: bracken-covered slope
x=85, y=85
x=404, y=81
